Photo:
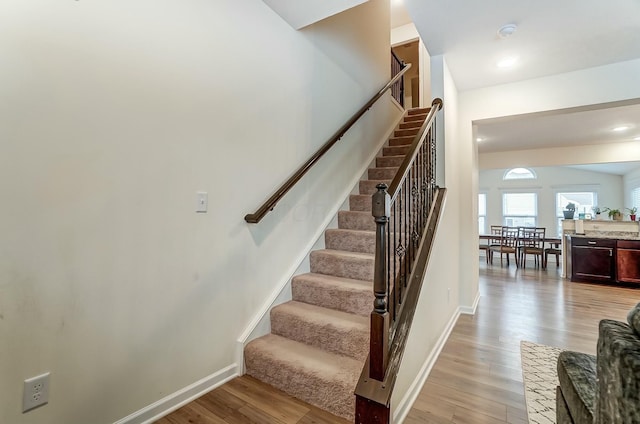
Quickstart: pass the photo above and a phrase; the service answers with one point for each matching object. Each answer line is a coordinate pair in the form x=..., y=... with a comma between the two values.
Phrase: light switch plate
x=202, y=201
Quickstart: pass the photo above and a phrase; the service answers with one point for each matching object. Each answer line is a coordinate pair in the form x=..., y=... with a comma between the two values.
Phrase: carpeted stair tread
x=369, y=186
x=336, y=331
x=339, y=293
x=356, y=220
x=386, y=173
x=321, y=378
x=351, y=240
x=342, y=264
x=386, y=161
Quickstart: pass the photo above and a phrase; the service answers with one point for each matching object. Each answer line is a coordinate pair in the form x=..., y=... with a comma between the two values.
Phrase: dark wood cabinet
x=593, y=259
x=628, y=261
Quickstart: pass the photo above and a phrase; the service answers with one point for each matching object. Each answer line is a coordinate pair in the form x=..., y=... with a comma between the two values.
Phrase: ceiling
x=551, y=37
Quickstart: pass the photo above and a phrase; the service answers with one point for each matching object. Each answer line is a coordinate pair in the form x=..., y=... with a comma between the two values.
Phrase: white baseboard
x=471, y=310
x=410, y=397
x=180, y=398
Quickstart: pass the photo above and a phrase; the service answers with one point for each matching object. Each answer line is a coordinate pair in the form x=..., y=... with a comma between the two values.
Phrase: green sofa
x=602, y=389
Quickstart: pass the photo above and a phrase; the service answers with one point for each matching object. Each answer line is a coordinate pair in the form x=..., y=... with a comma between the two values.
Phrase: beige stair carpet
x=320, y=340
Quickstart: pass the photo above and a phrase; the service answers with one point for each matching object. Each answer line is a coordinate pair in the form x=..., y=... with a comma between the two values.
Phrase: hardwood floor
x=478, y=377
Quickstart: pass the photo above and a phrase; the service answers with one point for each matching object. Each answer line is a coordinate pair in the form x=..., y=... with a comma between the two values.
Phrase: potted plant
x=597, y=212
x=632, y=213
x=569, y=210
x=614, y=214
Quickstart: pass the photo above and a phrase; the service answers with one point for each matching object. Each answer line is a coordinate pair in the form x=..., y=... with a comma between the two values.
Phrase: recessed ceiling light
x=621, y=128
x=507, y=62
x=479, y=139
x=507, y=30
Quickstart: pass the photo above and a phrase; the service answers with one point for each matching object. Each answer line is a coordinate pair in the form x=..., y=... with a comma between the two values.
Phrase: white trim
x=270, y=302
x=170, y=403
x=471, y=310
x=403, y=408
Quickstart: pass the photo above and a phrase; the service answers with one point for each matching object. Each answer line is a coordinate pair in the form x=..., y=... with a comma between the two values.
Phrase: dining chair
x=532, y=243
x=553, y=250
x=485, y=247
x=496, y=233
x=508, y=244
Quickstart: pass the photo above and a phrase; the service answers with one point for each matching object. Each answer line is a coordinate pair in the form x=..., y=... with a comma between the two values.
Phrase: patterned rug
x=540, y=380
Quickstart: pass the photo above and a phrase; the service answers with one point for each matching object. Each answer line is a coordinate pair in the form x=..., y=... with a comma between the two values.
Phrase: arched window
x=519, y=174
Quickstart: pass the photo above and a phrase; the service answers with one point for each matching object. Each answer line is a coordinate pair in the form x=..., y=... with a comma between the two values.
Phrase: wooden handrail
x=254, y=218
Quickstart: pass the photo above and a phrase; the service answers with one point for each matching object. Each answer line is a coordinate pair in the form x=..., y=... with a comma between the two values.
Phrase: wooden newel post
x=379, y=340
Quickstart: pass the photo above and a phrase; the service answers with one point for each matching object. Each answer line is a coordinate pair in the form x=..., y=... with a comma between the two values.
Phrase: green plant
x=596, y=210
x=570, y=207
x=632, y=211
x=612, y=212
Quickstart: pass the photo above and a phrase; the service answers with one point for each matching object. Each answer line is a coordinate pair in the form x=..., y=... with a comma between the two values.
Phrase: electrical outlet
x=36, y=392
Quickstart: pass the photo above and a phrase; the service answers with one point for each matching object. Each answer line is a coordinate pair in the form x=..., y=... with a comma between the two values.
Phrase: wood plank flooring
x=478, y=377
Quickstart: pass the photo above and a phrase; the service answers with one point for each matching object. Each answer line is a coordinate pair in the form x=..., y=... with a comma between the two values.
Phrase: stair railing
x=406, y=216
x=266, y=207
x=397, y=90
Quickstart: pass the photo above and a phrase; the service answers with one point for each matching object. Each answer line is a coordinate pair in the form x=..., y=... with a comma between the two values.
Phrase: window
x=519, y=209
x=482, y=213
x=635, y=198
x=519, y=174
x=584, y=201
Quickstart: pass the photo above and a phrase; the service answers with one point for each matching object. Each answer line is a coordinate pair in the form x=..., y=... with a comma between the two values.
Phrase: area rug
x=539, y=364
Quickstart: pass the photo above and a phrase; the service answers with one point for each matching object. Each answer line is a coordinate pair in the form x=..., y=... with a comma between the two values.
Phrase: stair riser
x=354, y=343
x=360, y=202
x=356, y=268
x=351, y=220
x=405, y=133
x=389, y=161
x=400, y=141
x=395, y=151
x=363, y=242
x=412, y=118
x=419, y=111
x=336, y=297
x=382, y=173
x=409, y=125
x=369, y=186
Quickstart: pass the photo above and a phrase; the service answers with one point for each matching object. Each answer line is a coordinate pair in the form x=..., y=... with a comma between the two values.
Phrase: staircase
x=320, y=339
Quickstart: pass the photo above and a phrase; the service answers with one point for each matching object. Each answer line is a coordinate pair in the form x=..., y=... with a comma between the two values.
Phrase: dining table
x=554, y=242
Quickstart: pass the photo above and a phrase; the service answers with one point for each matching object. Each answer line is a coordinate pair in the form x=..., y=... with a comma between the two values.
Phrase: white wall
x=112, y=115
x=441, y=292
x=549, y=182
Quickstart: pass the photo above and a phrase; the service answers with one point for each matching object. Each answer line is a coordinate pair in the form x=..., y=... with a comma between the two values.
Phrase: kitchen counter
x=600, y=229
